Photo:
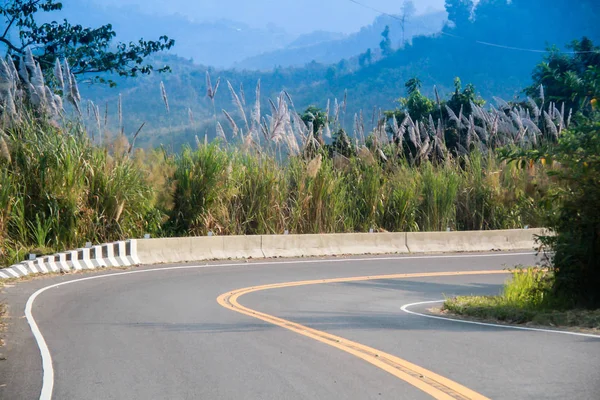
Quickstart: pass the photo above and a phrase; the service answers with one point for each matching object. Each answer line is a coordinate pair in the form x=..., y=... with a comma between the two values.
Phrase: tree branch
x=10, y=45
x=8, y=27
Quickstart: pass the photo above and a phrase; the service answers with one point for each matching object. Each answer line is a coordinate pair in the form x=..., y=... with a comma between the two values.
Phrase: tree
x=365, y=58
x=463, y=100
x=408, y=10
x=573, y=212
x=331, y=73
x=386, y=43
x=341, y=144
x=315, y=116
x=571, y=79
x=459, y=12
x=88, y=50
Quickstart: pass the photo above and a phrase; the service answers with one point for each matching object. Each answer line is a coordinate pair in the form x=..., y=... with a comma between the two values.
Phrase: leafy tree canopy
x=416, y=104
x=570, y=78
x=88, y=50
x=315, y=116
x=386, y=43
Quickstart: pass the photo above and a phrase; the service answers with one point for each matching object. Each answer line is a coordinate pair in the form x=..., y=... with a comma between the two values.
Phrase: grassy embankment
x=66, y=180
x=526, y=299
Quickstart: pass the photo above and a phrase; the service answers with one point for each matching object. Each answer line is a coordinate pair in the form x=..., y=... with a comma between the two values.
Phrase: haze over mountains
x=295, y=16
x=495, y=47
x=221, y=40
x=325, y=50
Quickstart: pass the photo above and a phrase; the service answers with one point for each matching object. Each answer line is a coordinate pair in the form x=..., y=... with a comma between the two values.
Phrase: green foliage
x=316, y=198
x=62, y=191
x=439, y=193
x=576, y=259
x=528, y=288
x=365, y=58
x=522, y=298
x=460, y=11
x=570, y=79
x=574, y=218
x=364, y=184
x=199, y=178
x=464, y=98
x=257, y=197
x=526, y=298
x=386, y=43
x=316, y=117
x=401, y=201
x=342, y=145
x=88, y=50
x=416, y=104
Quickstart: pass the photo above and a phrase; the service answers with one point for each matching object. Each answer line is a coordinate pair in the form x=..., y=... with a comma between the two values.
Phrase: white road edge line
x=521, y=328
x=48, y=370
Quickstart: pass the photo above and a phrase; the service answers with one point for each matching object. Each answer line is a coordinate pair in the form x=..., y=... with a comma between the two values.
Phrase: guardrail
x=189, y=249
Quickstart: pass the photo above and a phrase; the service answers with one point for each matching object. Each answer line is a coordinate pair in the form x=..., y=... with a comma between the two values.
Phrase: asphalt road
x=162, y=335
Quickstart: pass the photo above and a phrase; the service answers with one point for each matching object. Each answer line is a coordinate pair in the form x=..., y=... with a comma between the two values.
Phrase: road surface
x=160, y=333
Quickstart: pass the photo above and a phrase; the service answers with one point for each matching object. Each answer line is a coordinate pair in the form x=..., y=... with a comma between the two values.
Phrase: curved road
x=160, y=333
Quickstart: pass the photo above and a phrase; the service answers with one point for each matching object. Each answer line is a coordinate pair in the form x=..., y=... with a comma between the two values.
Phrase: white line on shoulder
x=522, y=328
x=47, y=368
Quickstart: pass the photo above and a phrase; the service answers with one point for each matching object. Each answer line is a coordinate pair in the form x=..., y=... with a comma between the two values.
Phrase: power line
x=476, y=41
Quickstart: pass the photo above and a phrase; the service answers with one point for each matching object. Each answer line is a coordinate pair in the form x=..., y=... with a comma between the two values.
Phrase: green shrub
x=576, y=246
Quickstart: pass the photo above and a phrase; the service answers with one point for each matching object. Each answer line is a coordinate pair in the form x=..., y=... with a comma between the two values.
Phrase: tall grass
x=59, y=188
x=59, y=191
x=439, y=193
x=230, y=191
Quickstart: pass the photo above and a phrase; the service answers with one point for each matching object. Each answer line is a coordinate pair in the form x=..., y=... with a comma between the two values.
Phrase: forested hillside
x=477, y=45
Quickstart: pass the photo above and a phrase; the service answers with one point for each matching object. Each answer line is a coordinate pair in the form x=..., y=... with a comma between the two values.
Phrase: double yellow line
x=429, y=382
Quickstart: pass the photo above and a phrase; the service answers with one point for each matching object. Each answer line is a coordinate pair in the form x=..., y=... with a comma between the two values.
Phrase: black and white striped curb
x=117, y=254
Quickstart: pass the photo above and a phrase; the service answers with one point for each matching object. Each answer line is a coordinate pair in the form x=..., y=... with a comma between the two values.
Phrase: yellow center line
x=429, y=382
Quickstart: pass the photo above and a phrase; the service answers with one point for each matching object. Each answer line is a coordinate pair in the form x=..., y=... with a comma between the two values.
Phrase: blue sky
x=296, y=16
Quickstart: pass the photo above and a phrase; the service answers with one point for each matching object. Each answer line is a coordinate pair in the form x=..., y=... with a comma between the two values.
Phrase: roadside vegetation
x=432, y=164
x=526, y=298
x=64, y=182
x=566, y=292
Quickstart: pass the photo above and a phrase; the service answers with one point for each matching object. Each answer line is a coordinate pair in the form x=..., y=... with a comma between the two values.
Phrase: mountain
x=496, y=51
x=331, y=51
x=314, y=38
x=218, y=42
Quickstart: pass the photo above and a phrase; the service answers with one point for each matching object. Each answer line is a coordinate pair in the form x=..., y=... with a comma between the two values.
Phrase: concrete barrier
x=61, y=259
x=117, y=254
x=506, y=240
x=174, y=250
x=86, y=258
x=333, y=244
x=243, y=247
x=30, y=266
x=156, y=251
x=108, y=254
x=97, y=257
x=73, y=260
x=131, y=251
x=190, y=249
x=41, y=265
x=51, y=263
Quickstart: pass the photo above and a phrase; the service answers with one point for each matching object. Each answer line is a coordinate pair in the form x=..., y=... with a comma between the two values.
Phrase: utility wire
x=476, y=41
